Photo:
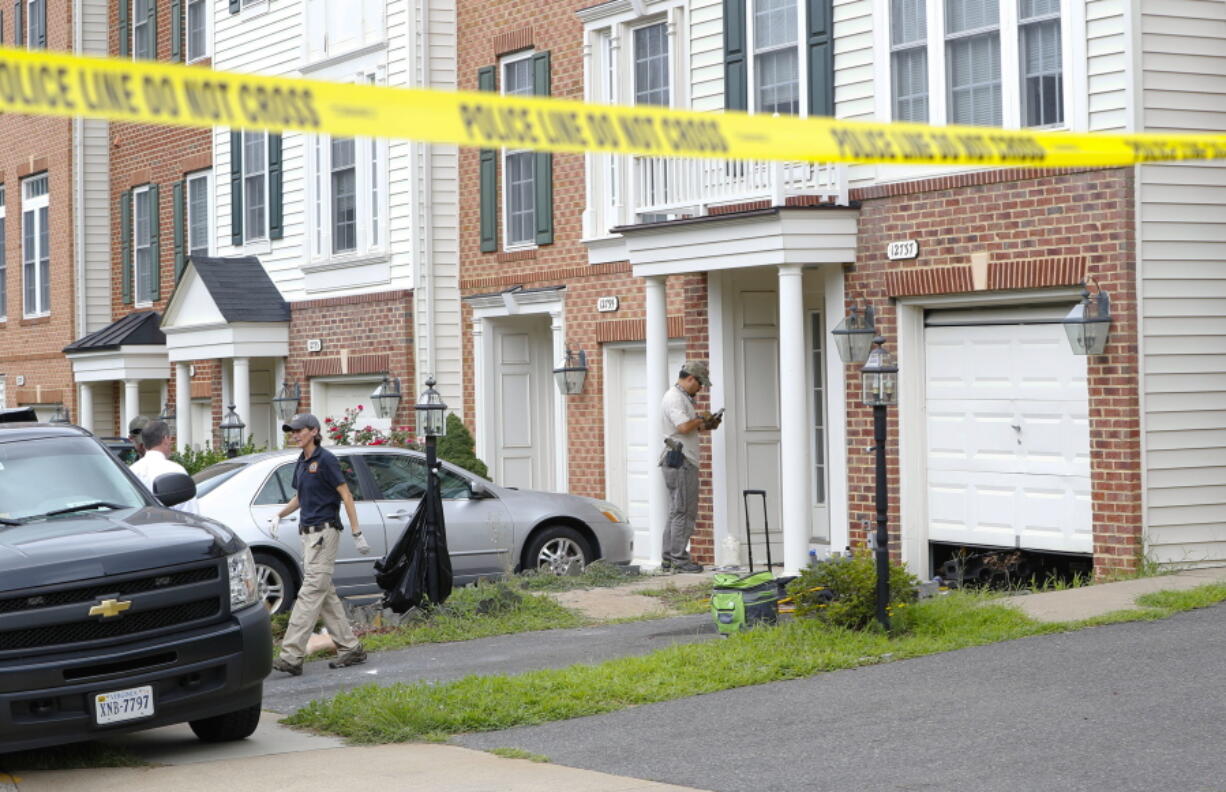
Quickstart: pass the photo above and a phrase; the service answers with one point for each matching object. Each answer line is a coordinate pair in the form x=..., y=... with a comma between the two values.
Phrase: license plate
x=123, y=705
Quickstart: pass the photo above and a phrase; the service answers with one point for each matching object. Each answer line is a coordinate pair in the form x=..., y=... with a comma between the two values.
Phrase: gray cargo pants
x=682, y=486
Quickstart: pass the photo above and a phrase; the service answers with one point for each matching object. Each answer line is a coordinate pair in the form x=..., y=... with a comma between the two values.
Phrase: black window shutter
x=542, y=179
x=176, y=30
x=276, y=225
x=19, y=37
x=489, y=176
x=155, y=247
x=42, y=24
x=179, y=208
x=125, y=35
x=1, y=28
x=736, y=67
x=125, y=244
x=236, y=188
x=820, y=49
x=235, y=6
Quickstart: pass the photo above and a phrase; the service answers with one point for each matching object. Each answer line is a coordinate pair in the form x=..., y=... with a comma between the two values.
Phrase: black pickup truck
x=117, y=613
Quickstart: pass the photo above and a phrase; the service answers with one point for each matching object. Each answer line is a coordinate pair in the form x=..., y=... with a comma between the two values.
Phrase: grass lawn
x=434, y=711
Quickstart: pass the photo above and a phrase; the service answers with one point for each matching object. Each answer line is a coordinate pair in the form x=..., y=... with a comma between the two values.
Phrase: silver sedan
x=491, y=530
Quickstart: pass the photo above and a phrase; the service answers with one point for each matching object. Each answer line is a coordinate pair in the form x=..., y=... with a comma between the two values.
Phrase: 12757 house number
x=903, y=249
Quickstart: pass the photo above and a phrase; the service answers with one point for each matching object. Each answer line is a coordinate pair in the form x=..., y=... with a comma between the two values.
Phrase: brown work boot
x=354, y=656
x=281, y=664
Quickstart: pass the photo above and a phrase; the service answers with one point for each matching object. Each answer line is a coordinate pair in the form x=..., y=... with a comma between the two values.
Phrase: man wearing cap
x=135, y=427
x=681, y=424
x=321, y=489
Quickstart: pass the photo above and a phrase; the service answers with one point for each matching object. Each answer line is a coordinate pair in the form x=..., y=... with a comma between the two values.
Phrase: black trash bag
x=417, y=567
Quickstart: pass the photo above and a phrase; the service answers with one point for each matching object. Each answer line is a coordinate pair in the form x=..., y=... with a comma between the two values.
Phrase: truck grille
x=123, y=588
x=93, y=630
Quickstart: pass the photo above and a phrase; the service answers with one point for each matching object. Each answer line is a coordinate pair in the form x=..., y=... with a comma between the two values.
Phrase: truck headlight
x=243, y=588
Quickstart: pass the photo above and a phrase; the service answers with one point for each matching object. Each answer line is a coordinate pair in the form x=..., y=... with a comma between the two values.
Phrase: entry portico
x=768, y=270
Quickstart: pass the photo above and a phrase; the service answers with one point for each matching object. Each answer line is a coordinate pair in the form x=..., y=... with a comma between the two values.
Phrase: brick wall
x=363, y=334
x=29, y=145
x=488, y=29
x=1037, y=229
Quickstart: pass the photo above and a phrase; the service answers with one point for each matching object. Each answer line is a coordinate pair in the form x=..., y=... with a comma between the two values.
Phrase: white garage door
x=1008, y=437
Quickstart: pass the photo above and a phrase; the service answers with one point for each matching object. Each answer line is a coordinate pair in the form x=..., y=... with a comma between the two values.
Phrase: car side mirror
x=477, y=490
x=174, y=488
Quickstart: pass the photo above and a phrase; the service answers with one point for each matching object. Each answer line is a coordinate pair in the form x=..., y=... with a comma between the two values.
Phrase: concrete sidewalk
x=277, y=757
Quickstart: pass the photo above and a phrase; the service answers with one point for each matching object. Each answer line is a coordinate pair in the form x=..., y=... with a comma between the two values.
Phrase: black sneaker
x=354, y=656
x=687, y=566
x=666, y=565
x=281, y=664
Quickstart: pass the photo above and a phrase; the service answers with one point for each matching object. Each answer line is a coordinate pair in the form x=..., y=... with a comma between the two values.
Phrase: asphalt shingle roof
x=242, y=289
x=139, y=328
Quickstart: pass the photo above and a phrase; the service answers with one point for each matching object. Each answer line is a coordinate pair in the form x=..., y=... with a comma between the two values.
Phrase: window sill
x=517, y=254
x=344, y=262
x=308, y=66
x=257, y=247
x=142, y=305
x=38, y=319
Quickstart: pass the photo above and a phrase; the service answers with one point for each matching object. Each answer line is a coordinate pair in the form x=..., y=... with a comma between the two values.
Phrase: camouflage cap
x=136, y=425
x=698, y=370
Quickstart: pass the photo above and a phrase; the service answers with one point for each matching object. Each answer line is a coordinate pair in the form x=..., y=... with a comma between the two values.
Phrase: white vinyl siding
x=1107, y=65
x=92, y=202
x=706, y=26
x=1181, y=240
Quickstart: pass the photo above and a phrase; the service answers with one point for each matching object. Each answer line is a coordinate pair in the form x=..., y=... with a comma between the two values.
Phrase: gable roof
x=138, y=328
x=241, y=288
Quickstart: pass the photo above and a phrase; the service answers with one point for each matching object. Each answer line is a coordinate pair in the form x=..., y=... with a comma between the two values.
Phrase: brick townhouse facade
x=530, y=295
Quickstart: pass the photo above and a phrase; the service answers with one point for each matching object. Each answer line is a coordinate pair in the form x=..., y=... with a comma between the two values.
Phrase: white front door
x=1008, y=438
x=523, y=403
x=632, y=448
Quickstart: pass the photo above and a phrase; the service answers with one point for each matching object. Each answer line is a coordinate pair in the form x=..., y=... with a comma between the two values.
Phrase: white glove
x=274, y=525
x=360, y=543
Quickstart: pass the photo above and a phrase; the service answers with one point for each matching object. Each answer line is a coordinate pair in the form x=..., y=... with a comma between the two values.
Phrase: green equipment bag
x=741, y=602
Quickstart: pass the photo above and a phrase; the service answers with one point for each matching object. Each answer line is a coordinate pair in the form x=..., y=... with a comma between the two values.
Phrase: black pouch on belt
x=675, y=457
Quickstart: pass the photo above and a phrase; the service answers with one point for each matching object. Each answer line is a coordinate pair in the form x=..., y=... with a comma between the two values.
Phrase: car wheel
x=559, y=550
x=238, y=725
x=276, y=583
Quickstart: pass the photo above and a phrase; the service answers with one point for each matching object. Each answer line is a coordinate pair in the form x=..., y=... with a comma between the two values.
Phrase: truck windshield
x=70, y=475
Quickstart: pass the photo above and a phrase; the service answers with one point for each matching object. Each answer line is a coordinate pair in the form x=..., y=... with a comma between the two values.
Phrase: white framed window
x=775, y=30
x=348, y=194
x=651, y=61
x=992, y=63
x=336, y=27
x=255, y=186
x=144, y=218
x=909, y=59
x=817, y=368
x=197, y=30
x=36, y=26
x=518, y=167
x=36, y=246
x=198, y=200
x=4, y=292
x=143, y=34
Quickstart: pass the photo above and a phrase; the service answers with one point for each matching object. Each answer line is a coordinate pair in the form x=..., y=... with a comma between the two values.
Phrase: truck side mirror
x=174, y=488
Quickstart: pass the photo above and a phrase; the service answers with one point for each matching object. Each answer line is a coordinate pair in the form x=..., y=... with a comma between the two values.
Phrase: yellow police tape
x=43, y=82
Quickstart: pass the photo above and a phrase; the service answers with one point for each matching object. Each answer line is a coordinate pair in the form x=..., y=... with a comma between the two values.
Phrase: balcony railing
x=669, y=187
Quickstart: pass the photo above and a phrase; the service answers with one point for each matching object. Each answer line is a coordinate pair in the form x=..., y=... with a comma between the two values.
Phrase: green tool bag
x=741, y=602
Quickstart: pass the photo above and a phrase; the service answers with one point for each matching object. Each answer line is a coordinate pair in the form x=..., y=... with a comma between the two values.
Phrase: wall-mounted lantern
x=287, y=401
x=1089, y=323
x=854, y=335
x=572, y=374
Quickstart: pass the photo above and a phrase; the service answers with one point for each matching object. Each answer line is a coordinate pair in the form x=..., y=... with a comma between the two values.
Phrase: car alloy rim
x=562, y=556
x=272, y=587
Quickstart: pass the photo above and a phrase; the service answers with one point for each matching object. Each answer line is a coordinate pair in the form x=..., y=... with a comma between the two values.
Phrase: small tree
x=459, y=448
x=842, y=592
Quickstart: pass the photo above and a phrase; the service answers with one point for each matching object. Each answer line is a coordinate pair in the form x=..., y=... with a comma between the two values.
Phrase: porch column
x=484, y=447
x=131, y=404
x=656, y=289
x=85, y=406
x=278, y=379
x=242, y=393
x=183, y=407
x=561, y=449
x=794, y=431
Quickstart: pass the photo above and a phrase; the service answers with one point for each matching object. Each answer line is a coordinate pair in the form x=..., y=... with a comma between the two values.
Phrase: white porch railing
x=671, y=187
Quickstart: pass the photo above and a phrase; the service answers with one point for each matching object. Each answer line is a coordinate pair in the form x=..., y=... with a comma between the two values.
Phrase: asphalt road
x=1126, y=707
x=503, y=654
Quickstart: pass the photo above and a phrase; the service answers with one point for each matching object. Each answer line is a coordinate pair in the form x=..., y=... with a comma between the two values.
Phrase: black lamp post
x=432, y=422
x=879, y=378
x=287, y=400
x=232, y=432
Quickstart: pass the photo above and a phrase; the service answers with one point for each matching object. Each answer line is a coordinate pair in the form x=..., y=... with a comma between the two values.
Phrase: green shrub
x=459, y=448
x=853, y=584
x=195, y=460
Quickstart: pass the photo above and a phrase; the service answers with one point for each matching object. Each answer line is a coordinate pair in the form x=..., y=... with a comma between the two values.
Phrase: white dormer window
x=337, y=27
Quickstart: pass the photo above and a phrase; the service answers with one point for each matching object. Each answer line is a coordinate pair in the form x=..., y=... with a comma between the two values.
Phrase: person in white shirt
x=679, y=461
x=156, y=438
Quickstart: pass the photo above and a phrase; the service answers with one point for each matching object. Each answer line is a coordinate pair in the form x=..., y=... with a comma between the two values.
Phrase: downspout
x=78, y=199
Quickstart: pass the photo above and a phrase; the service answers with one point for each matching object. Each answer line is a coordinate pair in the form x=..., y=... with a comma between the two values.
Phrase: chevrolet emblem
x=110, y=608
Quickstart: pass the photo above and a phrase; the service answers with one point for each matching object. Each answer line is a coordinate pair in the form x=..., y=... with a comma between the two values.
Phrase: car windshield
x=213, y=476
x=68, y=475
